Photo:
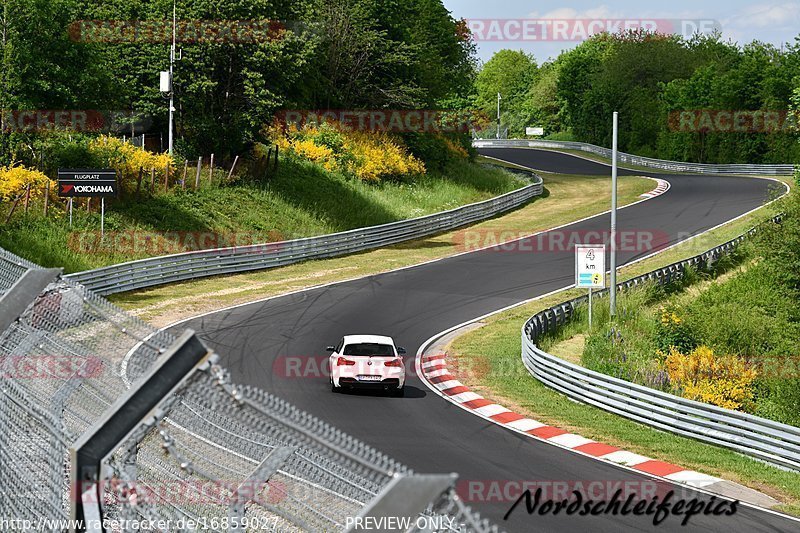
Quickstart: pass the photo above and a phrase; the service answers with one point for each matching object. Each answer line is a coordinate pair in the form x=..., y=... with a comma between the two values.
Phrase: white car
x=367, y=361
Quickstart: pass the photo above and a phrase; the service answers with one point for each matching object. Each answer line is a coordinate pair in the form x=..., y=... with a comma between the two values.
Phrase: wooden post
x=88, y=203
x=185, y=171
x=139, y=182
x=235, y=159
x=166, y=178
x=27, y=197
x=13, y=208
x=152, y=180
x=211, y=171
x=46, y=196
x=197, y=176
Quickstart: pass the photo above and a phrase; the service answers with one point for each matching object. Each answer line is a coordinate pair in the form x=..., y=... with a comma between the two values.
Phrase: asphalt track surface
x=426, y=432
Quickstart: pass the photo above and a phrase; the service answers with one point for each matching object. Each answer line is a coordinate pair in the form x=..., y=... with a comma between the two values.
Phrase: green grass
x=566, y=198
x=301, y=200
x=497, y=346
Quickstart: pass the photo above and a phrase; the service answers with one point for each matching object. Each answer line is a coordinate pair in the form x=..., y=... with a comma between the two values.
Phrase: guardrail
x=758, y=437
x=181, y=267
x=648, y=162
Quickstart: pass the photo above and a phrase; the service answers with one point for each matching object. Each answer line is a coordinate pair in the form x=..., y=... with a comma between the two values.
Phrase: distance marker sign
x=590, y=266
x=74, y=183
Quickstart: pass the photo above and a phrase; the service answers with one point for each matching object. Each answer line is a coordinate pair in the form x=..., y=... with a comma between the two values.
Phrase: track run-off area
x=262, y=342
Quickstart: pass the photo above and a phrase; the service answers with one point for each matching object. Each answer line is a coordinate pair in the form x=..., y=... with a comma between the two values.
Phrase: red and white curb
x=662, y=187
x=434, y=371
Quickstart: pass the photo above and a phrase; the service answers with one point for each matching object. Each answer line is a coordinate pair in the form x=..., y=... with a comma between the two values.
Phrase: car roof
x=379, y=339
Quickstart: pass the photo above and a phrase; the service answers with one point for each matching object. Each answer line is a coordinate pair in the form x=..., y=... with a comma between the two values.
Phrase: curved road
x=260, y=341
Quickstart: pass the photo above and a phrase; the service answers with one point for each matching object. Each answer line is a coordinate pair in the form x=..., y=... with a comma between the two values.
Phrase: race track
x=424, y=431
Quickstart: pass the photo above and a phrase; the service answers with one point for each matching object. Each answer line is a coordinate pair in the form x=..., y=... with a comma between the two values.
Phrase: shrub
x=672, y=332
x=726, y=381
x=14, y=180
x=367, y=156
x=127, y=159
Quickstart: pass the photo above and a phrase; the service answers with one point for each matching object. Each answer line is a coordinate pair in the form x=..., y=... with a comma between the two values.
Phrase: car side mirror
x=330, y=349
x=400, y=350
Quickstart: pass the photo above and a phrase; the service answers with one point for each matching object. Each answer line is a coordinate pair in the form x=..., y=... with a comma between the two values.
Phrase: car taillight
x=344, y=362
x=394, y=362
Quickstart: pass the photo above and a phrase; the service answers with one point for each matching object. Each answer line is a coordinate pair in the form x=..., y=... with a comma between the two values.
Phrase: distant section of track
x=262, y=343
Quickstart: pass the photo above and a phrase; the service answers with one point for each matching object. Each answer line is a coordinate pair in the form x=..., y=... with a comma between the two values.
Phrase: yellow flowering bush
x=367, y=156
x=726, y=381
x=127, y=159
x=14, y=180
x=456, y=148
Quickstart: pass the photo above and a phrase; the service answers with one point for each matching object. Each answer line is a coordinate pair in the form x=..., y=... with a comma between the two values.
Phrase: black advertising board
x=86, y=182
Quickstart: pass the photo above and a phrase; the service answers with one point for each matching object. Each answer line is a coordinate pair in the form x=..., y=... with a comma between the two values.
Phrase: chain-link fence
x=224, y=457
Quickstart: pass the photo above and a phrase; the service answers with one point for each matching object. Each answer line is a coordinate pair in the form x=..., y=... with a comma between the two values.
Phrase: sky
x=742, y=21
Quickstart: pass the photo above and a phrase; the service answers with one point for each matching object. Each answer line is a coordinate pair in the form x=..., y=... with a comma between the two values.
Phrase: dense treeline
x=345, y=54
x=650, y=80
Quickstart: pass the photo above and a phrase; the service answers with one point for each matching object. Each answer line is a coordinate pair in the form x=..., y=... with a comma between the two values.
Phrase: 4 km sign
x=590, y=266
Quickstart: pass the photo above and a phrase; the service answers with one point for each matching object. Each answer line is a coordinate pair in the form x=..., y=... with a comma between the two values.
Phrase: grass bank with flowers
x=313, y=191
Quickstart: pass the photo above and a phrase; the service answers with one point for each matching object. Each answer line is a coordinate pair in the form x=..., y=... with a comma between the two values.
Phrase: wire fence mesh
x=72, y=354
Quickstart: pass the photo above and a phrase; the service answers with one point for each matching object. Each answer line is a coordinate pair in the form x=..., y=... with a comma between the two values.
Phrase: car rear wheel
x=400, y=392
x=334, y=388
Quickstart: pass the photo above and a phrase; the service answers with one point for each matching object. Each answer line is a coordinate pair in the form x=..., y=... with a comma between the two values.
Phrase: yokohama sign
x=87, y=182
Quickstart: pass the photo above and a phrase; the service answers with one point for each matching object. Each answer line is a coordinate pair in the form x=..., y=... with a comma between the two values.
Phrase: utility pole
x=171, y=85
x=498, y=115
x=613, y=287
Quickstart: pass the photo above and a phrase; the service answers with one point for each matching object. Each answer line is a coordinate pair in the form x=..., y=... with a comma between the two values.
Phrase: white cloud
x=768, y=15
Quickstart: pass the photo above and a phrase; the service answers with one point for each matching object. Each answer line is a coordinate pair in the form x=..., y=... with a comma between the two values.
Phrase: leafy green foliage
x=648, y=79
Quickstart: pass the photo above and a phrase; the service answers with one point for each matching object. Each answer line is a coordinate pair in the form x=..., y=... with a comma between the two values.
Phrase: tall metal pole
x=613, y=284
x=171, y=85
x=498, y=115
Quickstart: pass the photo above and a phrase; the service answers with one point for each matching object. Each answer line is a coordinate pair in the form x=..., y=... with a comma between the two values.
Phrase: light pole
x=613, y=288
x=498, y=115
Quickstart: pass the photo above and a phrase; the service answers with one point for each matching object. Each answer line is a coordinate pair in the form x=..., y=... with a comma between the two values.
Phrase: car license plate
x=369, y=378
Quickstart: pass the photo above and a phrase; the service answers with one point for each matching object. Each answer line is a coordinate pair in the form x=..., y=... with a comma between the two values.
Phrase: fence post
x=152, y=180
x=197, y=176
x=88, y=204
x=139, y=181
x=13, y=208
x=46, y=196
x=134, y=409
x=211, y=171
x=235, y=159
x=27, y=197
x=185, y=171
x=166, y=177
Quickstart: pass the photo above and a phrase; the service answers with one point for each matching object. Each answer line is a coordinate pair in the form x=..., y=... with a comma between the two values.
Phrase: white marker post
x=70, y=212
x=613, y=290
x=590, y=269
x=102, y=217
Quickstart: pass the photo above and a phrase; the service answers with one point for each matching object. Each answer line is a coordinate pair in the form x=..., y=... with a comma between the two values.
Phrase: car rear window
x=369, y=349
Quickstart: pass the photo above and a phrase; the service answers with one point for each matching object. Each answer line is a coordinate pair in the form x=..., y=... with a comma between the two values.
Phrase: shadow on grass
x=327, y=196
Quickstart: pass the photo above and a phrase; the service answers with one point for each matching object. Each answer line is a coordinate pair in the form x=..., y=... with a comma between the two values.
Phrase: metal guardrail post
x=138, y=406
x=16, y=300
x=403, y=497
x=249, y=488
